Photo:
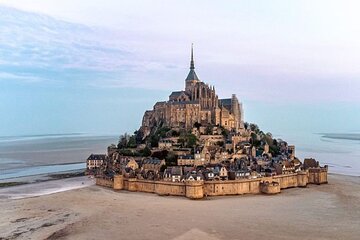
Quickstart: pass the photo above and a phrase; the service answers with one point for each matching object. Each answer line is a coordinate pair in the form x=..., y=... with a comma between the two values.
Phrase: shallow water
x=22, y=156
x=44, y=154
x=341, y=154
x=48, y=169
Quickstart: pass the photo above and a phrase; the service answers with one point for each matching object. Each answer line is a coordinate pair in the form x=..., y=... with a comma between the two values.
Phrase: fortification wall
x=287, y=181
x=104, y=182
x=199, y=189
x=141, y=185
x=118, y=182
x=317, y=176
x=270, y=187
x=158, y=187
x=170, y=188
x=219, y=188
x=194, y=189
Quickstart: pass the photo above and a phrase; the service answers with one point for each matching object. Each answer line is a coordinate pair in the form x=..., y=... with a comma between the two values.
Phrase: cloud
x=35, y=46
x=256, y=63
x=4, y=76
x=36, y=40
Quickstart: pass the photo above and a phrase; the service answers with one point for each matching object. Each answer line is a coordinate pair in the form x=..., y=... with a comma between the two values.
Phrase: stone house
x=152, y=164
x=186, y=160
x=165, y=144
x=94, y=161
x=223, y=174
x=284, y=167
x=132, y=164
x=173, y=174
x=208, y=175
x=310, y=163
x=239, y=174
x=195, y=177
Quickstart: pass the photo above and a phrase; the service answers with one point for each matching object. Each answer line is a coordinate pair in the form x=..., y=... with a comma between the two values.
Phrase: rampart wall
x=199, y=189
x=105, y=182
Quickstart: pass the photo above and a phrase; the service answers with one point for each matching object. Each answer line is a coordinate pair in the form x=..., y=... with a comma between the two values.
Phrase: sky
x=96, y=66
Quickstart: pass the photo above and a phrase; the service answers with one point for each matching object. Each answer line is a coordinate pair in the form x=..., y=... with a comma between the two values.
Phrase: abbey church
x=198, y=103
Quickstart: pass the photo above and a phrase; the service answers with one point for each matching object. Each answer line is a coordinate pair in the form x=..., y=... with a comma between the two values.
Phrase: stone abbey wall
x=200, y=189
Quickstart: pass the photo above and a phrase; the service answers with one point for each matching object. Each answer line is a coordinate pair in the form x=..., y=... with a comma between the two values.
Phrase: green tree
x=123, y=141
x=146, y=152
x=154, y=140
x=254, y=127
x=224, y=132
x=131, y=142
x=191, y=140
x=208, y=130
x=171, y=159
x=188, y=140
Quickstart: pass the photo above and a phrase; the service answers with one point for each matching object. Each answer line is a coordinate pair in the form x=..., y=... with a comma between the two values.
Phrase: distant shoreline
x=12, y=182
x=344, y=136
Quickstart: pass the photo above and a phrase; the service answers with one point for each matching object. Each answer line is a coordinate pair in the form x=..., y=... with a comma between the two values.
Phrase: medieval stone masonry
x=197, y=145
x=198, y=103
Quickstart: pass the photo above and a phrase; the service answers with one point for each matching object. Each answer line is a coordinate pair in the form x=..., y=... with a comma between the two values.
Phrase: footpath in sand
x=330, y=211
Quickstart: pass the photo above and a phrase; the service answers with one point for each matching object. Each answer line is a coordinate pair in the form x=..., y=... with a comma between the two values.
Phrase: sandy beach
x=330, y=211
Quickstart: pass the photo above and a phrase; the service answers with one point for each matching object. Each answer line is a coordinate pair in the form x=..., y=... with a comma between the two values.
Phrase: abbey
x=197, y=104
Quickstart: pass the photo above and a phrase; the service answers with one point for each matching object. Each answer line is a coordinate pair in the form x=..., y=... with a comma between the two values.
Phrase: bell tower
x=191, y=78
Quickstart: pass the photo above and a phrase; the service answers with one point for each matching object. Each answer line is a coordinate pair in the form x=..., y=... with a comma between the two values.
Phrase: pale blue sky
x=96, y=66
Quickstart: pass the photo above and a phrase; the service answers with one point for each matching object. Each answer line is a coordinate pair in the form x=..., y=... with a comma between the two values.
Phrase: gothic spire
x=192, y=65
x=192, y=75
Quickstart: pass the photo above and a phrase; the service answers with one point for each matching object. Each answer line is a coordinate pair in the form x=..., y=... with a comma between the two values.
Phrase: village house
x=223, y=174
x=132, y=164
x=291, y=151
x=194, y=176
x=186, y=160
x=165, y=144
x=208, y=174
x=173, y=174
x=152, y=164
x=284, y=167
x=310, y=163
x=94, y=161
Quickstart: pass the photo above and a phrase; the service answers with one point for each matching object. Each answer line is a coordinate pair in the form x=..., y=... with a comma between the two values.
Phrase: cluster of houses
x=208, y=162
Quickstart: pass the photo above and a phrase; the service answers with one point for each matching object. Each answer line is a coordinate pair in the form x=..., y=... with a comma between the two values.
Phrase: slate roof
x=185, y=102
x=192, y=76
x=310, y=163
x=225, y=101
x=176, y=94
x=176, y=171
x=97, y=157
x=154, y=161
x=188, y=156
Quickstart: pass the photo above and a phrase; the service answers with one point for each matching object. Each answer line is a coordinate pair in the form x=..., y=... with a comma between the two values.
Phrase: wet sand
x=329, y=211
x=45, y=188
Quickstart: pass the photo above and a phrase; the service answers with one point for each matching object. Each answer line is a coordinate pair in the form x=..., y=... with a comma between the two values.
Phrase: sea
x=29, y=155
x=340, y=151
